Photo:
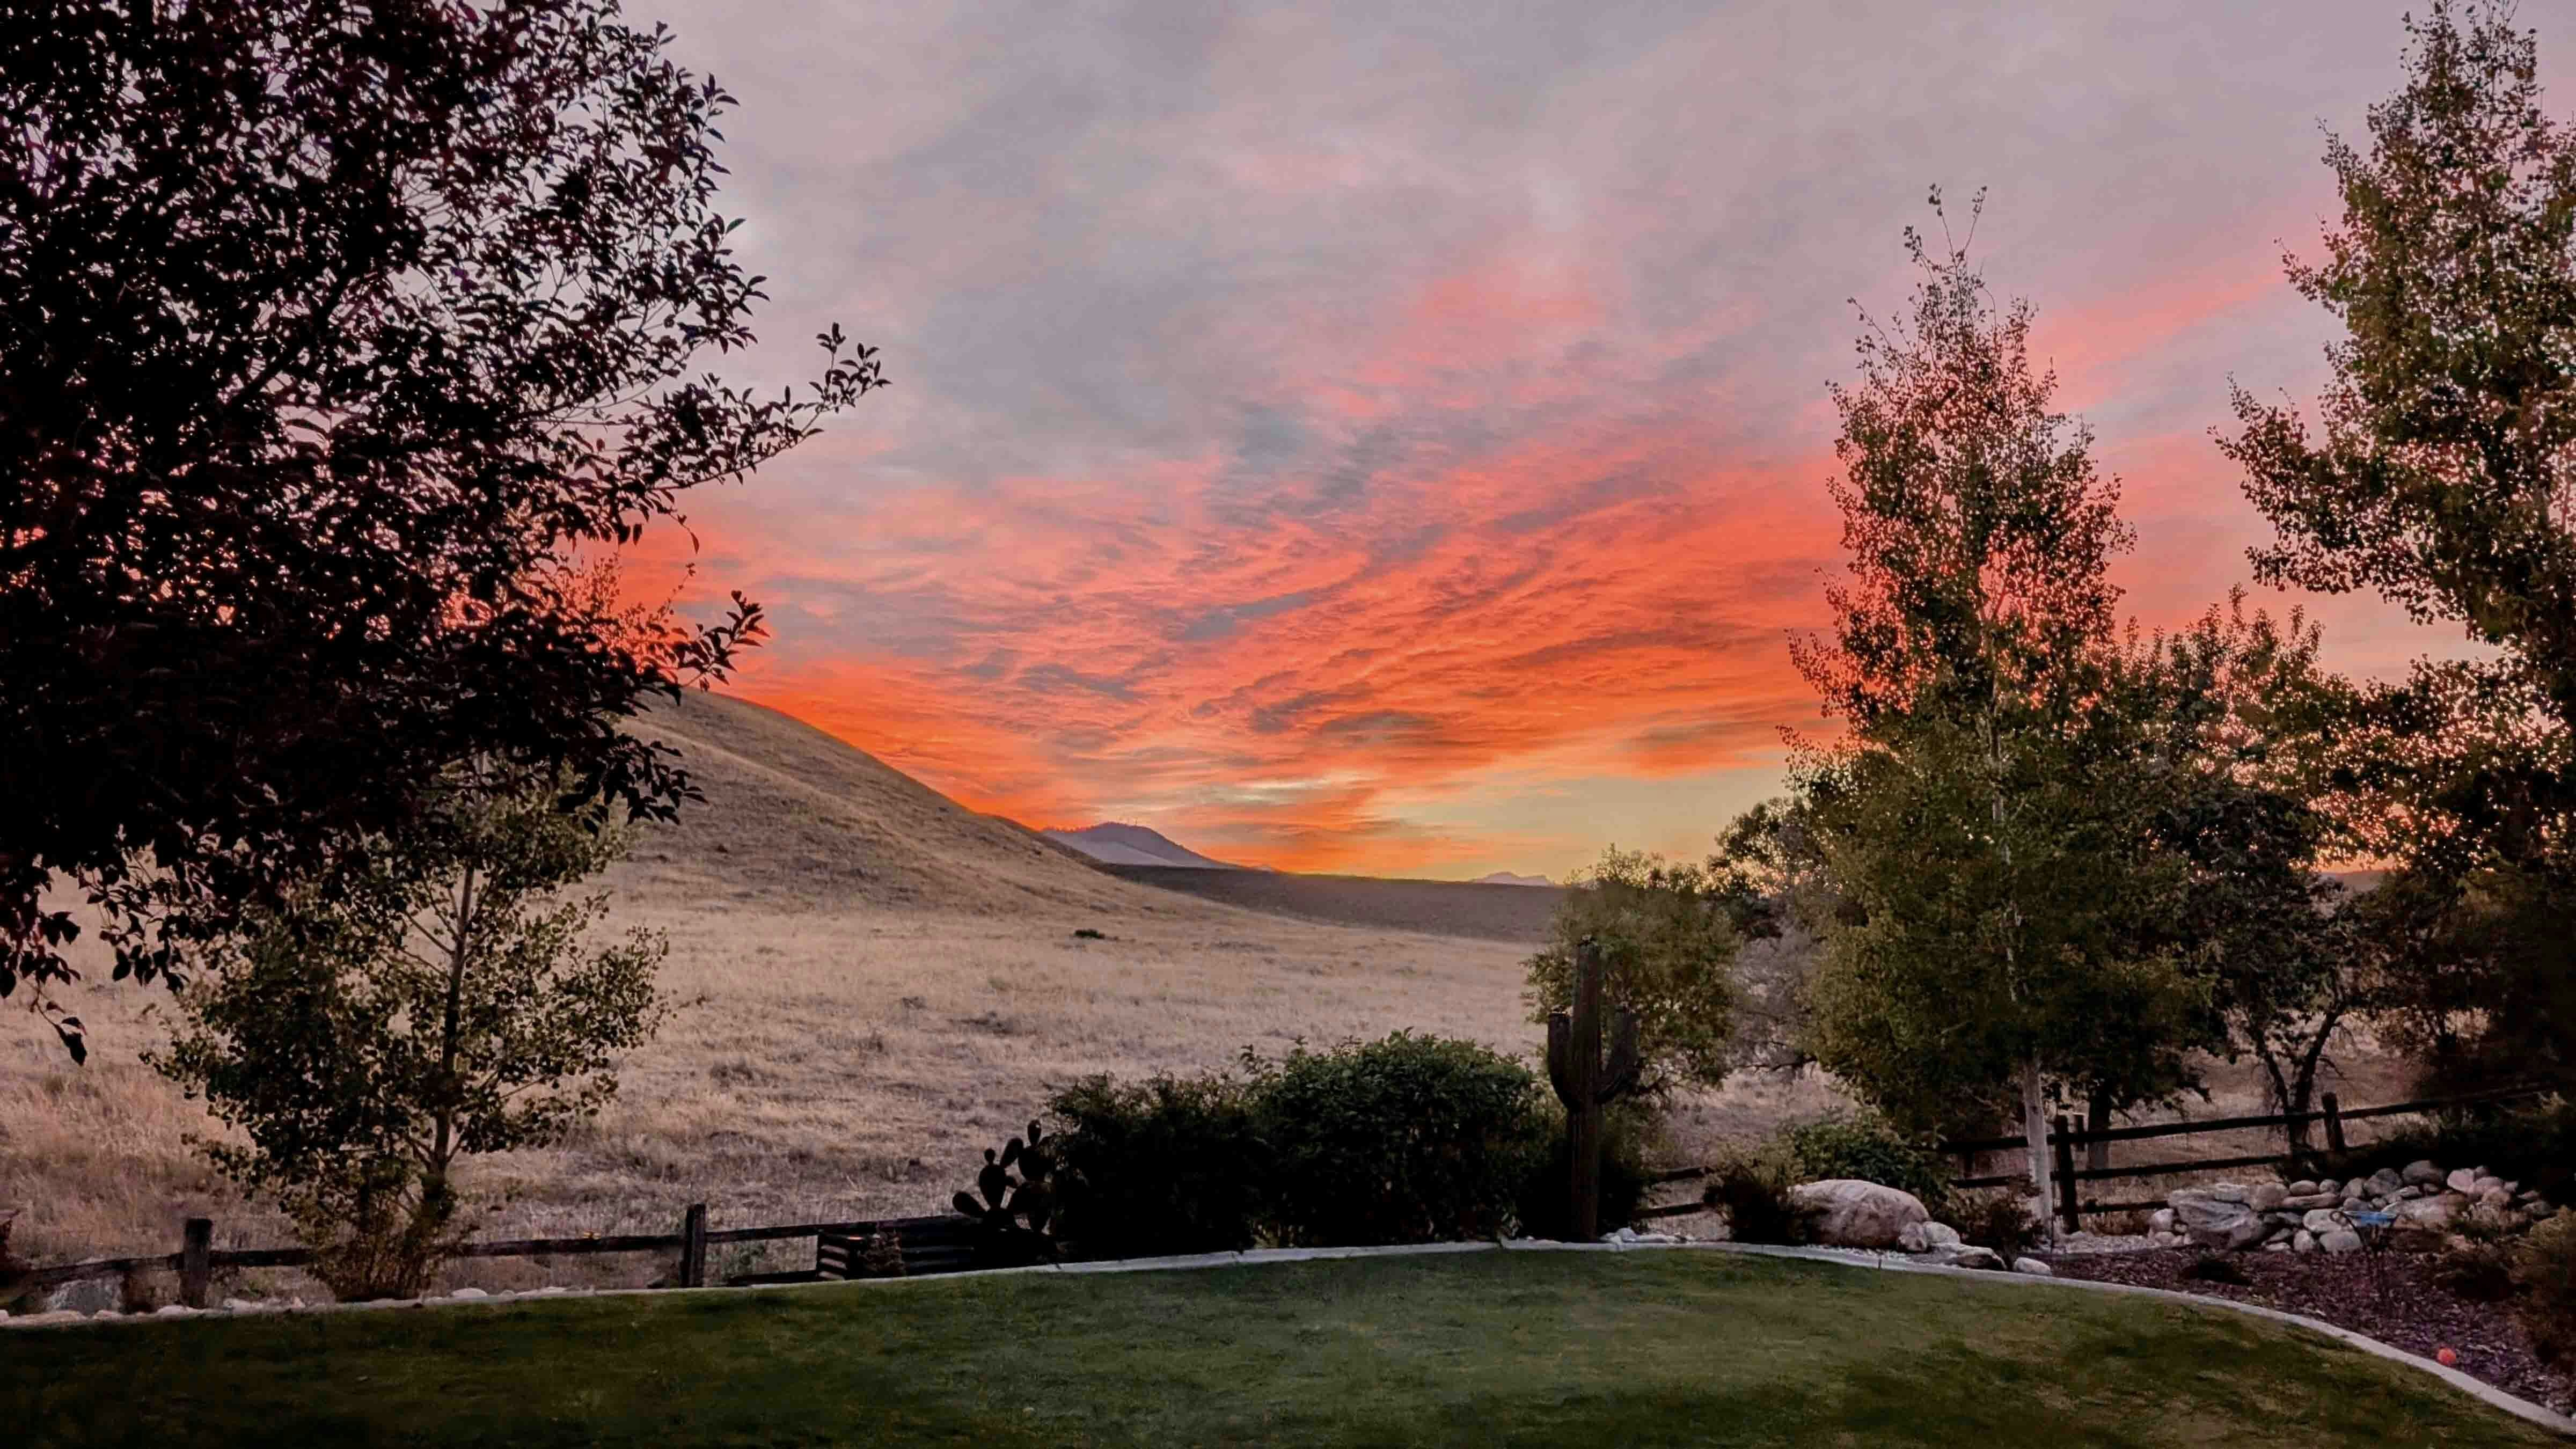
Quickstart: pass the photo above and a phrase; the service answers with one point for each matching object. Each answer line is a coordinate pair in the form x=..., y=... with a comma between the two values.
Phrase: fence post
x=2067, y=1203
x=693, y=1247
x=196, y=1262
x=2334, y=1124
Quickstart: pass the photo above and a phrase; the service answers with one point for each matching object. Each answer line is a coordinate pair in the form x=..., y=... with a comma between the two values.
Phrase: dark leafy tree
x=329, y=331
x=1668, y=935
x=2243, y=725
x=2441, y=472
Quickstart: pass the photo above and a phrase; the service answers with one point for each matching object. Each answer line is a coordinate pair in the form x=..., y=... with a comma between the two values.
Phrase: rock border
x=2478, y=1389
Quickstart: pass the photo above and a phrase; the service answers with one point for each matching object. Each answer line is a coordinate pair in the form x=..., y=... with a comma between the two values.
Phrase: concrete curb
x=2477, y=1389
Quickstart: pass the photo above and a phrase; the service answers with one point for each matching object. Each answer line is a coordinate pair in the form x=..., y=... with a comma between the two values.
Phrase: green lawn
x=1548, y=1349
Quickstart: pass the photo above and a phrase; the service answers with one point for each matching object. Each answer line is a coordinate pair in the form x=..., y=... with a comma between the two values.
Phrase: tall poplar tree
x=1975, y=816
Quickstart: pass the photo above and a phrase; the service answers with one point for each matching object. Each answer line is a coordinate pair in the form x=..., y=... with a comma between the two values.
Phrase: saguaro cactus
x=1585, y=1082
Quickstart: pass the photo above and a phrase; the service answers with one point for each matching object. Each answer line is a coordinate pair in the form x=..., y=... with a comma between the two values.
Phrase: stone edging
x=2478, y=1389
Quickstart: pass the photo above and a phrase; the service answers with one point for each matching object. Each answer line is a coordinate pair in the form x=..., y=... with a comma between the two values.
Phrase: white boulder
x=1845, y=1212
x=2033, y=1267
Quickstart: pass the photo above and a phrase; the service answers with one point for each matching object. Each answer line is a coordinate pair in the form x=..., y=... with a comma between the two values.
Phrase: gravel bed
x=2417, y=1314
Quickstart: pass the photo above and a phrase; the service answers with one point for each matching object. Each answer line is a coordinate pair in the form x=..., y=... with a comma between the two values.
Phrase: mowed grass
x=1551, y=1349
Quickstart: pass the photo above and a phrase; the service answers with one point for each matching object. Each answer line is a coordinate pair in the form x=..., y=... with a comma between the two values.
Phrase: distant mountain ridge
x=1504, y=877
x=1113, y=842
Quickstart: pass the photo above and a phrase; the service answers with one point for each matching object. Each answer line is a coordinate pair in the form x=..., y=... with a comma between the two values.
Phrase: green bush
x=1864, y=1146
x=1409, y=1139
x=2544, y=1274
x=1750, y=1185
x=1626, y=1128
x=1997, y=1218
x=1168, y=1165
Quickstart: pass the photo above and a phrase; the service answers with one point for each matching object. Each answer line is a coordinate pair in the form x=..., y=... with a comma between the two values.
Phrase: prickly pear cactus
x=1013, y=1216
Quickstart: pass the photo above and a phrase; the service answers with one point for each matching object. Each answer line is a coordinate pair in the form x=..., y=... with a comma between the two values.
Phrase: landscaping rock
x=2266, y=1196
x=479, y=1293
x=2383, y=1182
x=2462, y=1179
x=2218, y=1223
x=1845, y=1212
x=2496, y=1199
x=1910, y=1239
x=2309, y=1201
x=2161, y=1220
x=2419, y=1173
x=1968, y=1255
x=174, y=1310
x=2304, y=1242
x=86, y=1295
x=1940, y=1235
x=2221, y=1192
x=2341, y=1240
x=2034, y=1267
x=2303, y=1187
x=2431, y=1212
x=2321, y=1220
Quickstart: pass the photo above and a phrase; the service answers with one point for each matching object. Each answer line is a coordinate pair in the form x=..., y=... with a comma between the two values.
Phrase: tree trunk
x=2034, y=1127
x=433, y=1187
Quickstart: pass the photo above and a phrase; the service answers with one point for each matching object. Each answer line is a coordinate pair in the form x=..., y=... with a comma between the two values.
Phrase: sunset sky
x=1392, y=437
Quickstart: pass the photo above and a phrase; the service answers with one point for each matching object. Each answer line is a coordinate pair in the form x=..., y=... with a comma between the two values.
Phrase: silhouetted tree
x=328, y=331
x=2444, y=477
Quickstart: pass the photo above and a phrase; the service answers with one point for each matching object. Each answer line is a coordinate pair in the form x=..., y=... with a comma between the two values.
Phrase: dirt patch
x=2404, y=1307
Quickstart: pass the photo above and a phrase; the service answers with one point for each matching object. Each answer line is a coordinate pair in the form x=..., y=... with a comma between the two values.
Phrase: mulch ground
x=2413, y=1313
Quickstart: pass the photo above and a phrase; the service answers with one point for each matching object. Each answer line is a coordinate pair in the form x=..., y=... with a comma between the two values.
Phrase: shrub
x=1997, y=1218
x=1404, y=1140
x=1626, y=1127
x=1168, y=1165
x=2211, y=1268
x=2544, y=1272
x=1865, y=1146
x=1751, y=1187
x=2477, y=1258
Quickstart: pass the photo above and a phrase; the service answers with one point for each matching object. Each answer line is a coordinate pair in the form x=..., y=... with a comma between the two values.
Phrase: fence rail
x=2067, y=1136
x=198, y=1258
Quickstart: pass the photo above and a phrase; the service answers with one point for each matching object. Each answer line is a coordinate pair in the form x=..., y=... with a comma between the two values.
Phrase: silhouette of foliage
x=330, y=334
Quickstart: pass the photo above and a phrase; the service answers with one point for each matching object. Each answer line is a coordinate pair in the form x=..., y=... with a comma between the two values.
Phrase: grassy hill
x=795, y=818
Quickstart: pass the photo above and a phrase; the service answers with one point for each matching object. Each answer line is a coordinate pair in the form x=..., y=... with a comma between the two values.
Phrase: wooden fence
x=2070, y=1134
x=198, y=1257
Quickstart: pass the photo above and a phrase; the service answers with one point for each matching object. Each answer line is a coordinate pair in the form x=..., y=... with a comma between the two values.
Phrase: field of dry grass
x=872, y=985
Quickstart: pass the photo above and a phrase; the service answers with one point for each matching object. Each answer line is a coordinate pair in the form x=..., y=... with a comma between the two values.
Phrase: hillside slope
x=795, y=818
